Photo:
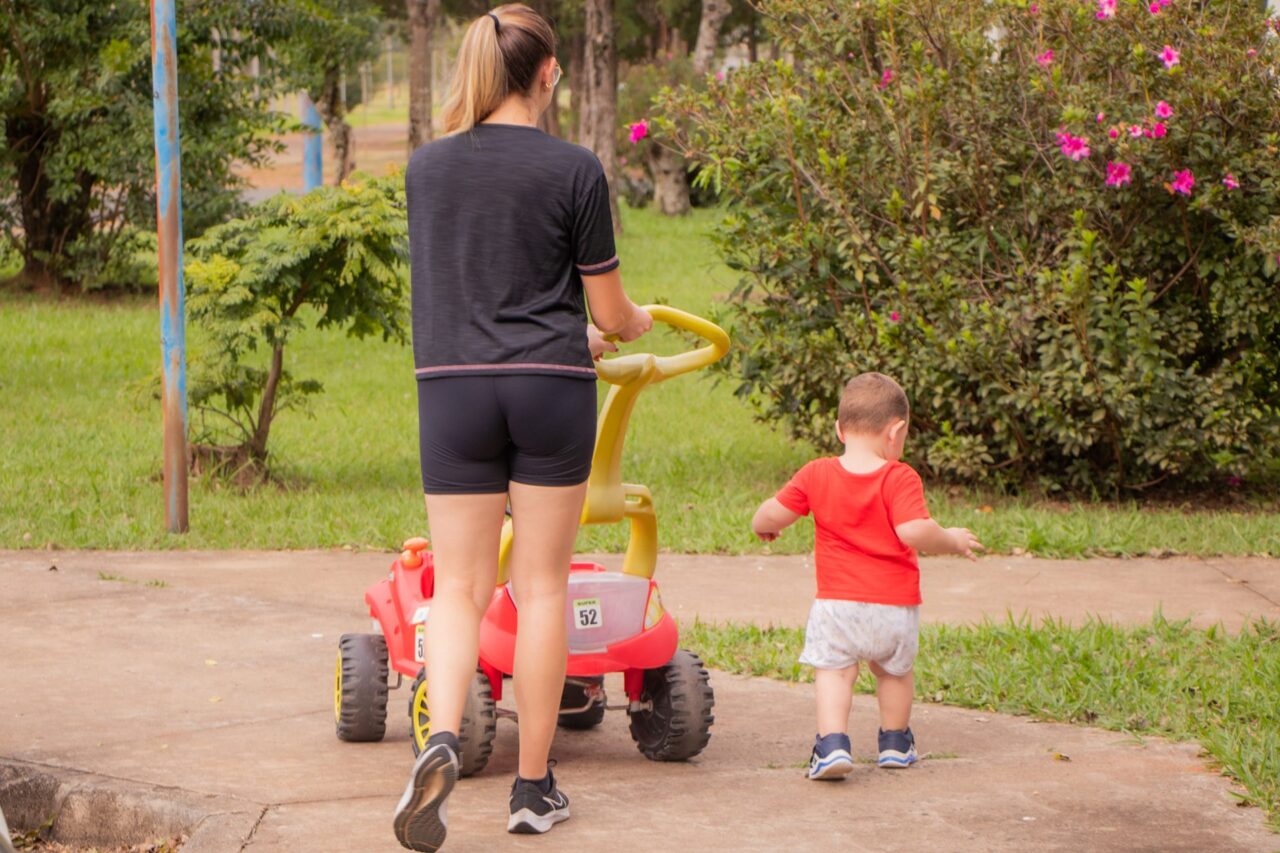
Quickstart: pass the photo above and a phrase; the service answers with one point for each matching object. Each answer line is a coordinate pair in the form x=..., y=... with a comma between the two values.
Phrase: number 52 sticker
x=587, y=614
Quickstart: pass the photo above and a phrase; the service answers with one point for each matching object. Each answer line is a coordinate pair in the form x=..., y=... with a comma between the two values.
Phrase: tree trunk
x=49, y=225
x=704, y=50
x=602, y=95
x=423, y=15
x=670, y=173
x=576, y=74
x=267, y=407
x=670, y=181
x=333, y=112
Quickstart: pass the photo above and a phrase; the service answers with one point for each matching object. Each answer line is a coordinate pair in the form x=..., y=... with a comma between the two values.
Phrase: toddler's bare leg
x=894, y=693
x=834, y=688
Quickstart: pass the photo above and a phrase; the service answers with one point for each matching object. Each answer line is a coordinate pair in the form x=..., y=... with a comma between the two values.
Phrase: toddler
x=870, y=519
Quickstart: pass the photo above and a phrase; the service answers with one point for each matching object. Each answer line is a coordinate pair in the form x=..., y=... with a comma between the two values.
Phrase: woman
x=507, y=228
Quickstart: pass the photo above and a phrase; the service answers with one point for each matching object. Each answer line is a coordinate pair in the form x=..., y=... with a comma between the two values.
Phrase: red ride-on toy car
x=616, y=622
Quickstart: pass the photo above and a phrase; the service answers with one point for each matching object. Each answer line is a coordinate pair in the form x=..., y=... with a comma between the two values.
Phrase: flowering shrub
x=1055, y=223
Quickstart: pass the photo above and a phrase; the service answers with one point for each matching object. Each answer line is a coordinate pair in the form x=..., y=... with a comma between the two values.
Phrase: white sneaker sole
x=893, y=760
x=420, y=821
x=528, y=822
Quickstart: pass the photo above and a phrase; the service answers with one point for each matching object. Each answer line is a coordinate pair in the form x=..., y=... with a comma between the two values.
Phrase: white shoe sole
x=528, y=822
x=893, y=760
x=420, y=821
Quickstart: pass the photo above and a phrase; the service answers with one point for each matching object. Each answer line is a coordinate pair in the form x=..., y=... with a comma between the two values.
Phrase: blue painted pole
x=313, y=148
x=173, y=334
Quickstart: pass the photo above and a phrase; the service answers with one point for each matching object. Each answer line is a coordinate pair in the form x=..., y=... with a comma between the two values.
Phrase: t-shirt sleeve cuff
x=600, y=268
x=780, y=498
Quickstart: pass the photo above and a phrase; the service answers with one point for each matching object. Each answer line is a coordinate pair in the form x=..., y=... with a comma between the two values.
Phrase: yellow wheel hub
x=421, y=716
x=337, y=690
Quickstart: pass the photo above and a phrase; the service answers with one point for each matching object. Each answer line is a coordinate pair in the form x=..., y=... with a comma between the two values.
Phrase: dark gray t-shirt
x=503, y=221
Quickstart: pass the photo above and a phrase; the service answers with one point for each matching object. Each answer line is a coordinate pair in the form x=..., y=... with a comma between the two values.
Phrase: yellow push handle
x=624, y=369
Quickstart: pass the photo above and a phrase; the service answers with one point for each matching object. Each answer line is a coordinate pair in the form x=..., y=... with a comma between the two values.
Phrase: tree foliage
x=334, y=258
x=77, y=171
x=1056, y=223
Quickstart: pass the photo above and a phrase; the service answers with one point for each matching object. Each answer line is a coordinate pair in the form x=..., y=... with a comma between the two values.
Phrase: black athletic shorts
x=479, y=433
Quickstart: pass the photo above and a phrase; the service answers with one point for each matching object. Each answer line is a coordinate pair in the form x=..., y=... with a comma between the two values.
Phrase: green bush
x=335, y=257
x=994, y=203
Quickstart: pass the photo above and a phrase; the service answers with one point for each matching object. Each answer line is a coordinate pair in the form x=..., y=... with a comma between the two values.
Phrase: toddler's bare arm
x=771, y=519
x=925, y=534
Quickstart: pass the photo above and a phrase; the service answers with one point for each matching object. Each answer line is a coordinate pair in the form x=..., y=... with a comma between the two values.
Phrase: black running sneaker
x=420, y=820
x=536, y=806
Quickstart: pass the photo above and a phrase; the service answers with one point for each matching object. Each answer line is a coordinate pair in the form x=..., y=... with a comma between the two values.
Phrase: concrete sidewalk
x=215, y=690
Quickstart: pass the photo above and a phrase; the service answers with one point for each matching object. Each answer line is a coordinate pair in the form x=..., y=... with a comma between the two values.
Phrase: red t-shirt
x=858, y=554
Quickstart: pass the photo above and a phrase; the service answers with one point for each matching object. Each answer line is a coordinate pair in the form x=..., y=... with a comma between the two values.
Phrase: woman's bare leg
x=546, y=525
x=465, y=533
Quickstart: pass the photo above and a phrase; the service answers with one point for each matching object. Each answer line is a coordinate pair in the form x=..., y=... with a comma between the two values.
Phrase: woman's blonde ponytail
x=500, y=54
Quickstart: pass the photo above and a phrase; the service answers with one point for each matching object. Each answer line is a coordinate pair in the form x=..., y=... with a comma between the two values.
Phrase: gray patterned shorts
x=842, y=633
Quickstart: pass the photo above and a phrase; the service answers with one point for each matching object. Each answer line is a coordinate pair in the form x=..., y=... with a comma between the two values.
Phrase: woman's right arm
x=611, y=310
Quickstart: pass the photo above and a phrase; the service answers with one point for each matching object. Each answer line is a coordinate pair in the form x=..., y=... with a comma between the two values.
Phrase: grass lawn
x=81, y=444
x=1166, y=678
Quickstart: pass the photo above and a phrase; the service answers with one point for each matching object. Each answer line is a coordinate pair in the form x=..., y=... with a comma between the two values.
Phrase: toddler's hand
x=965, y=542
x=766, y=535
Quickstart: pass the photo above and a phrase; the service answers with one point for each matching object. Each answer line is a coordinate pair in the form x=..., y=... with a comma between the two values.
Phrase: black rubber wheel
x=479, y=722
x=574, y=696
x=678, y=725
x=360, y=687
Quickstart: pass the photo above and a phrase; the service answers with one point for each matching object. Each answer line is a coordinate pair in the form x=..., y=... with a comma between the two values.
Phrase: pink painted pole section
x=164, y=85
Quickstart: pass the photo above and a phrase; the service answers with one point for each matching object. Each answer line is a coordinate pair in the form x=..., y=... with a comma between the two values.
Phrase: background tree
x=668, y=167
x=422, y=15
x=330, y=37
x=76, y=171
x=601, y=107
x=334, y=257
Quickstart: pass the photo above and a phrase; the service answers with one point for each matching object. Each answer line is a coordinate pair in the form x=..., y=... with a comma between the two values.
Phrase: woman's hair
x=500, y=54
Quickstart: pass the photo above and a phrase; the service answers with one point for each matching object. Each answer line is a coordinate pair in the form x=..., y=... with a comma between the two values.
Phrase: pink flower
x=1073, y=147
x=639, y=130
x=1234, y=481
x=1230, y=182
x=1154, y=8
x=1158, y=130
x=1164, y=3
x=1169, y=56
x=1251, y=52
x=1118, y=174
x=1034, y=9
x=1114, y=133
x=1106, y=9
x=1163, y=110
x=1100, y=118
x=894, y=316
x=1045, y=59
x=1135, y=130
x=720, y=76
x=1183, y=182
x=886, y=78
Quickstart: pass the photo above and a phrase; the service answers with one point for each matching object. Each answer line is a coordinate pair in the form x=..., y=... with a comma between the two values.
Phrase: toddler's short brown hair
x=870, y=402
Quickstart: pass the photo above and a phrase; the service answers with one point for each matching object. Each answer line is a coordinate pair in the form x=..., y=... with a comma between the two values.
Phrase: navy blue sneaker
x=897, y=749
x=831, y=757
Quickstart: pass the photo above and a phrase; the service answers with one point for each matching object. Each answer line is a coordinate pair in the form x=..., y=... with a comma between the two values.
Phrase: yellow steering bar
x=609, y=500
